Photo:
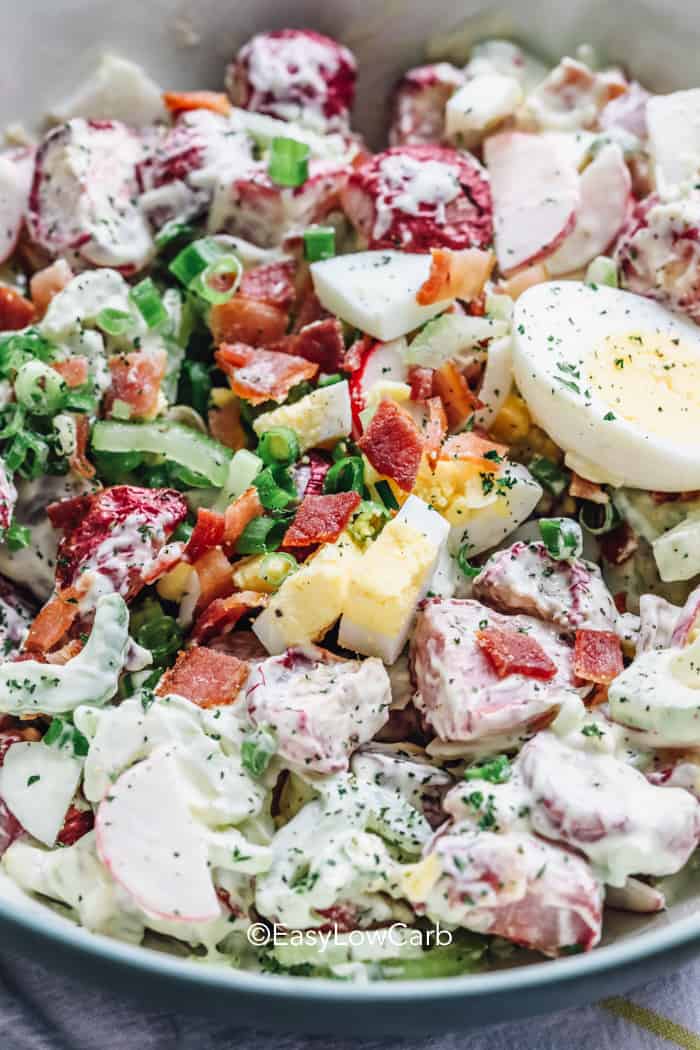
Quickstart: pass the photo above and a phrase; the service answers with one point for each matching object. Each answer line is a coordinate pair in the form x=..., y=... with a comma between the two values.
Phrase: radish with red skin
x=16, y=172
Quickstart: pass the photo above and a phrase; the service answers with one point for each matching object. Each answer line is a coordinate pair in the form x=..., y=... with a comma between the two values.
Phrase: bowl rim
x=47, y=925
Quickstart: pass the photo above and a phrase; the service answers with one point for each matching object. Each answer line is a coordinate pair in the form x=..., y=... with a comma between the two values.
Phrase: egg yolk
x=652, y=381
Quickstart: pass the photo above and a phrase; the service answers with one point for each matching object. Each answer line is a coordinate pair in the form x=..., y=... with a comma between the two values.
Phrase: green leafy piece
x=156, y=631
x=496, y=770
x=63, y=735
x=562, y=538
x=257, y=751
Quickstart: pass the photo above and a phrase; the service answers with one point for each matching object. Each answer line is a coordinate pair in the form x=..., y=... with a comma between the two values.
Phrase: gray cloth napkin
x=42, y=1011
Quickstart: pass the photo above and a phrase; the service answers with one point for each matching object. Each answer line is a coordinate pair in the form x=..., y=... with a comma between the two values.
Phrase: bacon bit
x=356, y=354
x=15, y=311
x=580, y=488
x=207, y=533
x=321, y=519
x=244, y=320
x=342, y=918
x=272, y=284
x=73, y=370
x=320, y=342
x=620, y=600
x=393, y=444
x=65, y=653
x=512, y=652
x=420, y=381
x=53, y=622
x=47, y=283
x=673, y=497
x=242, y=511
x=207, y=677
x=521, y=280
x=457, y=397
x=262, y=375
x=136, y=379
x=619, y=544
x=76, y=824
x=456, y=275
x=78, y=461
x=597, y=696
x=309, y=310
x=477, y=307
x=224, y=613
x=215, y=577
x=435, y=430
x=474, y=446
x=597, y=656
x=182, y=101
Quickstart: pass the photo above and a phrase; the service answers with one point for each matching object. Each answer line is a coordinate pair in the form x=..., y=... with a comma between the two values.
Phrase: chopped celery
x=602, y=271
x=242, y=470
x=442, y=339
x=562, y=538
x=201, y=456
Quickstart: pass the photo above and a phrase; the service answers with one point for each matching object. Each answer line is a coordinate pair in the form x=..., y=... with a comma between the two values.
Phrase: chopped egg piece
x=320, y=418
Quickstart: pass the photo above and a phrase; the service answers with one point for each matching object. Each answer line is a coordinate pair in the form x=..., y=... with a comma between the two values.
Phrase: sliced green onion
x=171, y=232
x=602, y=271
x=17, y=537
x=261, y=536
x=276, y=488
x=330, y=379
x=562, y=537
x=275, y=568
x=156, y=631
x=243, y=469
x=278, y=445
x=465, y=566
x=340, y=450
x=63, y=735
x=40, y=388
x=368, y=521
x=319, y=243
x=196, y=452
x=257, y=751
x=194, y=259
x=347, y=475
x=386, y=495
x=16, y=349
x=115, y=467
x=146, y=298
x=550, y=476
x=208, y=284
x=114, y=322
x=496, y=770
x=599, y=518
x=288, y=164
x=195, y=386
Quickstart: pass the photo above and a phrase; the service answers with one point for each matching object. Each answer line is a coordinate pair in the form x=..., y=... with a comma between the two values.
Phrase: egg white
x=564, y=337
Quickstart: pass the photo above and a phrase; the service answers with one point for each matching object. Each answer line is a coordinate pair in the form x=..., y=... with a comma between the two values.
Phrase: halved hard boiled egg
x=614, y=379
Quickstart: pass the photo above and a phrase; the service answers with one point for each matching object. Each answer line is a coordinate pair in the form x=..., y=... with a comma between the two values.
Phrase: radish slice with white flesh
x=149, y=842
x=605, y=193
x=535, y=189
x=16, y=170
x=383, y=363
x=37, y=784
x=497, y=381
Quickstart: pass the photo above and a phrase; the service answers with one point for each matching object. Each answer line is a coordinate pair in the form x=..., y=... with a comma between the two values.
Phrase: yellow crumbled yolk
x=652, y=381
x=174, y=584
x=513, y=422
x=417, y=880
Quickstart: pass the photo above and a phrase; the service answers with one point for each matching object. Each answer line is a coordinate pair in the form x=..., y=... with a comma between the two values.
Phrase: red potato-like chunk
x=83, y=203
x=524, y=578
x=207, y=677
x=536, y=195
x=112, y=536
x=420, y=197
x=297, y=75
x=658, y=252
x=461, y=695
x=321, y=708
x=516, y=886
x=418, y=104
x=605, y=808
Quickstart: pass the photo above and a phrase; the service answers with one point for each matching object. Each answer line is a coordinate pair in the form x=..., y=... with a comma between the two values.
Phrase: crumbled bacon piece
x=245, y=320
x=619, y=544
x=242, y=511
x=262, y=375
x=320, y=342
x=597, y=656
x=420, y=381
x=457, y=397
x=78, y=461
x=272, y=284
x=485, y=453
x=47, y=283
x=455, y=275
x=207, y=677
x=214, y=576
x=15, y=311
x=53, y=622
x=580, y=488
x=393, y=444
x=136, y=379
x=321, y=519
x=76, y=824
x=514, y=652
x=223, y=614
x=208, y=532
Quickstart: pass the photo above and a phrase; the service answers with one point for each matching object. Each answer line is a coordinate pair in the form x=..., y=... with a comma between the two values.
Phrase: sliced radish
x=535, y=190
x=150, y=844
x=383, y=362
x=37, y=784
x=16, y=170
x=674, y=139
x=497, y=381
x=605, y=194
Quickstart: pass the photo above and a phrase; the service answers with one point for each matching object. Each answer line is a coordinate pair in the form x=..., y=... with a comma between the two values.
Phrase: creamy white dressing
x=417, y=187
